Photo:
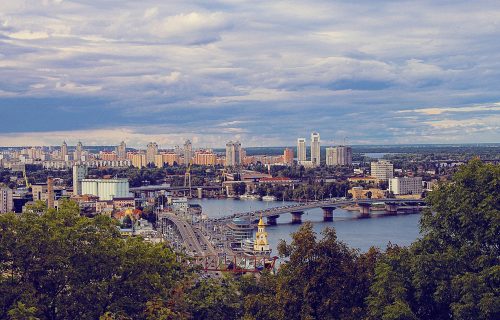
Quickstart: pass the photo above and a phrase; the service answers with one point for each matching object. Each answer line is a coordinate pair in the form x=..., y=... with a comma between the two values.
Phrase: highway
x=193, y=239
x=187, y=234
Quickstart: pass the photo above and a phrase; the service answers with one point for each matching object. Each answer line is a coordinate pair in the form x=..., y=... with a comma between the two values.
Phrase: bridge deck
x=276, y=211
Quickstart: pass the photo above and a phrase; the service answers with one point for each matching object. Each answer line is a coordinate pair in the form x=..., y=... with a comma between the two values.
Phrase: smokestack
x=50, y=193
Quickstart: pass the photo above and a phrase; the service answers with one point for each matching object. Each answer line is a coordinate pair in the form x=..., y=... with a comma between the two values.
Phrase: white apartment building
x=301, y=150
x=79, y=173
x=233, y=154
x=180, y=204
x=406, y=185
x=315, y=149
x=382, y=170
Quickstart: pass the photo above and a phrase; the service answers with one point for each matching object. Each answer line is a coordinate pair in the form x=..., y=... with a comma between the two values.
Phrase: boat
x=268, y=198
x=248, y=196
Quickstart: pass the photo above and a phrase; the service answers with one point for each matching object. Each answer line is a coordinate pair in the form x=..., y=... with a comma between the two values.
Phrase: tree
x=215, y=299
x=453, y=270
x=260, y=297
x=127, y=222
x=323, y=279
x=59, y=265
x=239, y=188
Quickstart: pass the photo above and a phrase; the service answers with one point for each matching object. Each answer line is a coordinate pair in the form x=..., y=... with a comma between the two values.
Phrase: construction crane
x=187, y=179
x=28, y=184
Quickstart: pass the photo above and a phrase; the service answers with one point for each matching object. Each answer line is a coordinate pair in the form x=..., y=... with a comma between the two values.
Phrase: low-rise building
x=123, y=202
x=406, y=185
x=239, y=230
x=372, y=193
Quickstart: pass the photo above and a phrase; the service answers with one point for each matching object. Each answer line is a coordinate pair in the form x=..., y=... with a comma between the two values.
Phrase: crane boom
x=28, y=185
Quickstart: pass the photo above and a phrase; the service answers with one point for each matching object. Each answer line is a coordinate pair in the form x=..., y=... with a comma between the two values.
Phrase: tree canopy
x=60, y=265
x=453, y=271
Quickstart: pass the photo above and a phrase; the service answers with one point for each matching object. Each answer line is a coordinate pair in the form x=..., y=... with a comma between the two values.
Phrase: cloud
x=380, y=72
x=29, y=35
x=474, y=108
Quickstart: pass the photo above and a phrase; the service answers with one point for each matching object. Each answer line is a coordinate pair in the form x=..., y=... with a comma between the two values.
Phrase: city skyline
x=379, y=73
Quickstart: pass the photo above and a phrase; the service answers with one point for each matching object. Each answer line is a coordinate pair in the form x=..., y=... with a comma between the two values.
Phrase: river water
x=357, y=233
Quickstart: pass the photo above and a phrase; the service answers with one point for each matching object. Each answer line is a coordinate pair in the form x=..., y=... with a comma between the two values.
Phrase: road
x=276, y=211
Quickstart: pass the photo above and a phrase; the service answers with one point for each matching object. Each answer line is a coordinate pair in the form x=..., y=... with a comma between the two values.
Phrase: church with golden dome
x=261, y=244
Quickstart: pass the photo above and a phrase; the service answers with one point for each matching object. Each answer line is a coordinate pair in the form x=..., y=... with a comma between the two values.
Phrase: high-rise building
x=406, y=185
x=121, y=151
x=151, y=152
x=382, y=170
x=188, y=152
x=339, y=156
x=301, y=150
x=166, y=159
x=138, y=159
x=315, y=149
x=79, y=173
x=205, y=158
x=6, y=200
x=64, y=151
x=233, y=154
x=107, y=155
x=288, y=156
x=77, y=155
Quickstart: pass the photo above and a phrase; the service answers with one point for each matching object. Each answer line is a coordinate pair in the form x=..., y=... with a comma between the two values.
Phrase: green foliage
x=215, y=299
x=239, y=188
x=59, y=265
x=22, y=312
x=453, y=271
x=323, y=279
x=260, y=297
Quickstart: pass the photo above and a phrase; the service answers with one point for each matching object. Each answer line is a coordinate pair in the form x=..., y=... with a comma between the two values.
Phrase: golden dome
x=261, y=222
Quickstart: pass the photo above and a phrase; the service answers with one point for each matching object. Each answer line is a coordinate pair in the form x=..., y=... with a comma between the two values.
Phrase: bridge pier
x=364, y=209
x=391, y=208
x=328, y=213
x=297, y=217
x=272, y=220
x=200, y=193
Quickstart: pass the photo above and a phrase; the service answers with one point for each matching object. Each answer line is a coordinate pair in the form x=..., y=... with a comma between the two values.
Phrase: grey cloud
x=280, y=68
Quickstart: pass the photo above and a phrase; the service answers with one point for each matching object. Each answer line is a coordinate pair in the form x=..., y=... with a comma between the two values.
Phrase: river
x=357, y=233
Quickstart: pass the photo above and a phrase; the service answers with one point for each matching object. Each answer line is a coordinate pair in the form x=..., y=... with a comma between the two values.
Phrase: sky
x=262, y=72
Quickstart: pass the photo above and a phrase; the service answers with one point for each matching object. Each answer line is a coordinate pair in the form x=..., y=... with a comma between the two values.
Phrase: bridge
x=328, y=206
x=167, y=187
x=182, y=233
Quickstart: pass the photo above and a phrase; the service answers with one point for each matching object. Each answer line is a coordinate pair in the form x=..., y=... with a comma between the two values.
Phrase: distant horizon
x=270, y=147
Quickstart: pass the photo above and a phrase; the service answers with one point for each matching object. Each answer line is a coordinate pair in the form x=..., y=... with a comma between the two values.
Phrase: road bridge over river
x=328, y=206
x=182, y=233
